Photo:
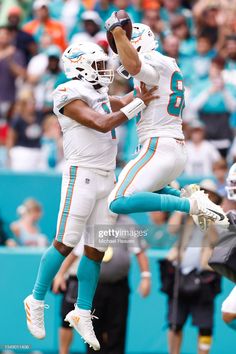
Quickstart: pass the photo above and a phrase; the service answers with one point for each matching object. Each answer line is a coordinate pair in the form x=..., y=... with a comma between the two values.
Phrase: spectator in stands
x=92, y=26
x=44, y=23
x=52, y=77
x=192, y=288
x=151, y=18
x=180, y=29
x=38, y=64
x=171, y=8
x=68, y=12
x=104, y=8
x=206, y=17
x=52, y=149
x=215, y=101
x=220, y=169
x=171, y=45
x=201, y=153
x=11, y=67
x=131, y=7
x=171, y=48
x=201, y=60
x=25, y=229
x=158, y=234
x=230, y=64
x=22, y=40
x=24, y=135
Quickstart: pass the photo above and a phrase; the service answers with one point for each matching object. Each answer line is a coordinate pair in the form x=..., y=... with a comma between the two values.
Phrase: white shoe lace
x=88, y=323
x=38, y=314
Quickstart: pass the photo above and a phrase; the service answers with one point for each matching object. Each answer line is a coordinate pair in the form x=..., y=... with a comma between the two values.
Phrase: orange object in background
x=54, y=28
x=150, y=4
x=89, y=4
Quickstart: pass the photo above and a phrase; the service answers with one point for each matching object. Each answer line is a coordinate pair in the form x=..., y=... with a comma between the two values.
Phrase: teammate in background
x=229, y=305
x=83, y=108
x=163, y=156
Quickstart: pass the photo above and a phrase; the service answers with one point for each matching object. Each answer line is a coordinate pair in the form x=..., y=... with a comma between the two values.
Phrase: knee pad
x=205, y=339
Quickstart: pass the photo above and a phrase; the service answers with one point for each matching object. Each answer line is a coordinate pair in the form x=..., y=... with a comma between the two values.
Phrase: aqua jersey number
x=107, y=110
x=176, y=102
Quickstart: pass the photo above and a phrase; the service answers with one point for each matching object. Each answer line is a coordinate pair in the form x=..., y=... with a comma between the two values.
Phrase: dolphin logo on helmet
x=87, y=61
x=143, y=40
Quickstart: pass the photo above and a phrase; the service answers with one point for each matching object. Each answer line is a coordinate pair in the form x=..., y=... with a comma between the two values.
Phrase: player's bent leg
x=143, y=176
x=157, y=165
x=148, y=201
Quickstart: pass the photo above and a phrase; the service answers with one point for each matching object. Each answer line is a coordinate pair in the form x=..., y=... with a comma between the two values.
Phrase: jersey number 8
x=176, y=102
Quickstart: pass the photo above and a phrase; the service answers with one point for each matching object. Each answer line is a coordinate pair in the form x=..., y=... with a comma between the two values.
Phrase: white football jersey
x=84, y=146
x=163, y=116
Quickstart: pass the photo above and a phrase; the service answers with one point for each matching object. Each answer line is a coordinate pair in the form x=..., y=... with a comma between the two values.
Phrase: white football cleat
x=35, y=316
x=81, y=320
x=205, y=212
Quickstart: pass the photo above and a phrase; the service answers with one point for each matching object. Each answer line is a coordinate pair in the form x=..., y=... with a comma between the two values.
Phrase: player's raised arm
x=83, y=114
x=128, y=53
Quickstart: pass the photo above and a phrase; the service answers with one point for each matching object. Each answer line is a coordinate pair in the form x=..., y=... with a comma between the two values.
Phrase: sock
x=88, y=274
x=169, y=190
x=147, y=201
x=48, y=268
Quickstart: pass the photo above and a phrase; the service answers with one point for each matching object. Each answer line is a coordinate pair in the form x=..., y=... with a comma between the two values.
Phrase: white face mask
x=105, y=76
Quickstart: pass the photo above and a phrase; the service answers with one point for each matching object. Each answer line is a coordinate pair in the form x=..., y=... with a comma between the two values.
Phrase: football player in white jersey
x=83, y=108
x=163, y=155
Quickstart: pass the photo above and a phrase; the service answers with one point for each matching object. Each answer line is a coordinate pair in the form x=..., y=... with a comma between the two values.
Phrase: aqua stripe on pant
x=138, y=165
x=66, y=209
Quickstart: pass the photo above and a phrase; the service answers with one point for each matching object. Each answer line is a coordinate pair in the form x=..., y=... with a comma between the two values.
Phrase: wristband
x=146, y=275
x=133, y=108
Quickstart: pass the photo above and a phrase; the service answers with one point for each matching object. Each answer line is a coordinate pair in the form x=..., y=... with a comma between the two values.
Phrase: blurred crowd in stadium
x=200, y=35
